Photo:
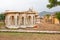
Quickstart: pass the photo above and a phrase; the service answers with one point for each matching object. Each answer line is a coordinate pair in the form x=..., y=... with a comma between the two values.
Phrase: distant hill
x=44, y=13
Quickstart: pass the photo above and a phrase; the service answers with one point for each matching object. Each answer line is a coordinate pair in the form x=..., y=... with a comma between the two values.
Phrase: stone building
x=52, y=19
x=55, y=20
x=24, y=19
x=48, y=19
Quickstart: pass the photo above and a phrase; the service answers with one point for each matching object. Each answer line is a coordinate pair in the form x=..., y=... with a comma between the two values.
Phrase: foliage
x=2, y=17
x=48, y=15
x=50, y=6
x=53, y=3
x=57, y=15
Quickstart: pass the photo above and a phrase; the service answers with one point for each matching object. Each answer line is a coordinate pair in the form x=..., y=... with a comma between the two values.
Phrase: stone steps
x=34, y=31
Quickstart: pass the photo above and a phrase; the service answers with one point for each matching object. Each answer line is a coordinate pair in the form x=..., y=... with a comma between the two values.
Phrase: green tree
x=53, y=3
x=47, y=15
x=2, y=17
x=57, y=15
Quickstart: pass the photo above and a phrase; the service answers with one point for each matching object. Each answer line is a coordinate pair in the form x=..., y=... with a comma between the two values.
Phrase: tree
x=2, y=17
x=47, y=16
x=57, y=15
x=53, y=3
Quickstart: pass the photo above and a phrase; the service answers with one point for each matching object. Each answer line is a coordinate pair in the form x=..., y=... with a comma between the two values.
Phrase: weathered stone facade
x=25, y=19
x=52, y=19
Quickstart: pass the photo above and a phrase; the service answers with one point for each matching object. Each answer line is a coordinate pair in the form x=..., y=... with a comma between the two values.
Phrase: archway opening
x=12, y=20
x=22, y=20
x=29, y=20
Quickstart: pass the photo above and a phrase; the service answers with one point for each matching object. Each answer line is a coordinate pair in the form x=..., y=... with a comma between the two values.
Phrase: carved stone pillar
x=15, y=20
x=19, y=23
x=8, y=20
x=32, y=20
x=24, y=20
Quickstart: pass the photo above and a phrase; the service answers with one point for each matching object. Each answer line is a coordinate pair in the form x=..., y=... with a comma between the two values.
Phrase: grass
x=28, y=36
x=2, y=24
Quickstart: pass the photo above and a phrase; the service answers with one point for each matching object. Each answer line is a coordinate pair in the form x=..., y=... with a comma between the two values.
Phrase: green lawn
x=28, y=36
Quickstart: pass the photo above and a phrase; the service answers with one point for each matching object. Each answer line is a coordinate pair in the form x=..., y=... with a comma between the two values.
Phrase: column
x=19, y=21
x=15, y=20
x=32, y=20
x=8, y=20
x=24, y=20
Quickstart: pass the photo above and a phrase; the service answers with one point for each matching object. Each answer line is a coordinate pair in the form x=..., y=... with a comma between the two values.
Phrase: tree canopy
x=53, y=3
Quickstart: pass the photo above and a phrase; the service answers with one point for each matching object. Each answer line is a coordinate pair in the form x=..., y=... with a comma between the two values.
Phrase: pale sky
x=22, y=5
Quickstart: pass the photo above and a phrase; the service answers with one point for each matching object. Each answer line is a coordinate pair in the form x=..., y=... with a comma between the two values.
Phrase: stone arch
x=22, y=20
x=12, y=20
x=29, y=19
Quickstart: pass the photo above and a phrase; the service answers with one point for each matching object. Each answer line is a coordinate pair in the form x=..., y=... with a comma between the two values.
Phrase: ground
x=32, y=36
x=28, y=36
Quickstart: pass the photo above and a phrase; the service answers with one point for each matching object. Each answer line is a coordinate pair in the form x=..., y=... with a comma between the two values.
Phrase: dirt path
x=28, y=36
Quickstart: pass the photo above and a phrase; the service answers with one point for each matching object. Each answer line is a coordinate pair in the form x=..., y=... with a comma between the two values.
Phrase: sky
x=22, y=5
